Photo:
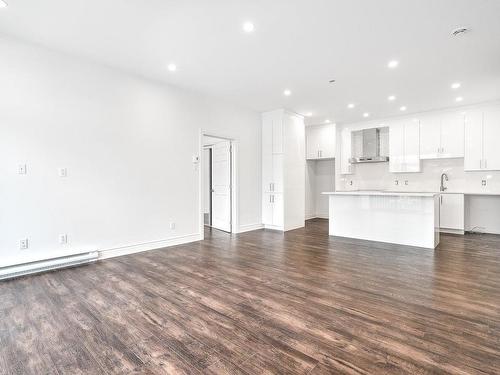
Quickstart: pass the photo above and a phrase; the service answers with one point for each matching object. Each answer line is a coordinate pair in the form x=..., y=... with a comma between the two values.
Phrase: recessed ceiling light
x=309, y=114
x=391, y=98
x=351, y=106
x=393, y=64
x=248, y=27
x=327, y=121
x=3, y=4
x=172, y=67
x=456, y=85
x=287, y=93
x=459, y=99
x=403, y=108
x=366, y=114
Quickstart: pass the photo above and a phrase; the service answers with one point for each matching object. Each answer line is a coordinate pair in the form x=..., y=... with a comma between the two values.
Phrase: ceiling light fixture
x=287, y=93
x=172, y=67
x=3, y=4
x=391, y=98
x=366, y=114
x=459, y=99
x=248, y=27
x=403, y=108
x=393, y=64
x=456, y=85
x=351, y=106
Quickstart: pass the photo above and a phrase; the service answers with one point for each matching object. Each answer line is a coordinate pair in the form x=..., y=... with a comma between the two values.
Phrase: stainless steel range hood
x=370, y=146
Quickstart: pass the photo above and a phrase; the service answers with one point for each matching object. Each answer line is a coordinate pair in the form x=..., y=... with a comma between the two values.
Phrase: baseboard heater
x=11, y=272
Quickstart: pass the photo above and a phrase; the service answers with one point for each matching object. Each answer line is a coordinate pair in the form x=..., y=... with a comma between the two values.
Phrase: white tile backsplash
x=376, y=176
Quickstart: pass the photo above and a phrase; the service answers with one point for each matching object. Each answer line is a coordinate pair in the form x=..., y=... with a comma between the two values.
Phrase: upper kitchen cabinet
x=404, y=146
x=482, y=132
x=442, y=136
x=320, y=142
x=346, y=152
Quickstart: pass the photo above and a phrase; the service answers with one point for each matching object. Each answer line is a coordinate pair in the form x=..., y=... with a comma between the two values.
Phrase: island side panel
x=406, y=220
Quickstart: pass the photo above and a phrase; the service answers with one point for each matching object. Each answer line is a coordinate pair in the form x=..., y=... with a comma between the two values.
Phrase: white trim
x=234, y=181
x=250, y=227
x=153, y=245
x=310, y=216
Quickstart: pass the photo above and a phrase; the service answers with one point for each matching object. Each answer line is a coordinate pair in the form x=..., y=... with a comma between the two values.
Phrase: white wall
x=320, y=177
x=377, y=176
x=128, y=145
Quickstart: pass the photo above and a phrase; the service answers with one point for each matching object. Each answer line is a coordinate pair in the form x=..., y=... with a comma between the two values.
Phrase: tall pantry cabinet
x=283, y=170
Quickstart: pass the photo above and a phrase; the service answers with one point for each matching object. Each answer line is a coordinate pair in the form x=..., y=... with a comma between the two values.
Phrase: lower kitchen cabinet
x=451, y=213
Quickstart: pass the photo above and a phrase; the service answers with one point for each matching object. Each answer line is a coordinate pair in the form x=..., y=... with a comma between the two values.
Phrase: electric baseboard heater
x=12, y=272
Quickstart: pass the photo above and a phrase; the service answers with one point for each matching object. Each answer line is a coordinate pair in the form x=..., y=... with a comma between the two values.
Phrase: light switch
x=23, y=244
x=63, y=172
x=63, y=239
x=22, y=169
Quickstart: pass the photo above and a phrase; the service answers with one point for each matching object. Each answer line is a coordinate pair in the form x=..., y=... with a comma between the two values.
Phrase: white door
x=452, y=135
x=221, y=185
x=473, y=141
x=430, y=136
x=491, y=138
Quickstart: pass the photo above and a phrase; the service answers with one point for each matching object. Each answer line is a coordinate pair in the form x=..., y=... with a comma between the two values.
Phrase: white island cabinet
x=401, y=218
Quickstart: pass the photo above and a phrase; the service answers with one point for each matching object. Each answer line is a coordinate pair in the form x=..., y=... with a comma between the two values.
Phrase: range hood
x=370, y=146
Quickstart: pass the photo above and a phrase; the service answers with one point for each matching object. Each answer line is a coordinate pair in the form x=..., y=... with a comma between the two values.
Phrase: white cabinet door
x=396, y=148
x=278, y=207
x=345, y=152
x=312, y=142
x=267, y=156
x=452, y=135
x=473, y=151
x=430, y=135
x=267, y=209
x=278, y=173
x=278, y=135
x=412, y=146
x=326, y=137
x=491, y=139
x=452, y=211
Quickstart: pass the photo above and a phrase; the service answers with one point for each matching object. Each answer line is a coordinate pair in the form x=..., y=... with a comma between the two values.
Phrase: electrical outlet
x=172, y=225
x=23, y=244
x=396, y=182
x=350, y=182
x=21, y=169
x=63, y=239
x=63, y=172
x=483, y=182
x=406, y=182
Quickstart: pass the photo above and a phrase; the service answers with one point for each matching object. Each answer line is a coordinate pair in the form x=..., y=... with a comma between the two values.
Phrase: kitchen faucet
x=444, y=176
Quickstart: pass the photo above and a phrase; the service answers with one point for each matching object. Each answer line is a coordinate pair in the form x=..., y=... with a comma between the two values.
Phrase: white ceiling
x=297, y=44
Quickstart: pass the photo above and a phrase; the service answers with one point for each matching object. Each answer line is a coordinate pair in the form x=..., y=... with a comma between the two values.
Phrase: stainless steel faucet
x=444, y=176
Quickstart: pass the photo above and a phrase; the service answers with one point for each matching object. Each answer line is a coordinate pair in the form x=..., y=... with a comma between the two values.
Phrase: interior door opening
x=217, y=187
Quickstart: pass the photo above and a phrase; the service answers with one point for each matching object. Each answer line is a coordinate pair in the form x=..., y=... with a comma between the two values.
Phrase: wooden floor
x=263, y=302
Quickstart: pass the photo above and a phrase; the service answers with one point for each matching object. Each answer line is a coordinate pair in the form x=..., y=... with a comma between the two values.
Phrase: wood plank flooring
x=263, y=302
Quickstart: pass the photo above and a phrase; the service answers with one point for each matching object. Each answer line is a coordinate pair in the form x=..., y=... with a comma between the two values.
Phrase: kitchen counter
x=405, y=218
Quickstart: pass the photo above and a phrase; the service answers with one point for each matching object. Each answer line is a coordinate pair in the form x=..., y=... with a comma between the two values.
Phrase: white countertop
x=382, y=193
x=405, y=193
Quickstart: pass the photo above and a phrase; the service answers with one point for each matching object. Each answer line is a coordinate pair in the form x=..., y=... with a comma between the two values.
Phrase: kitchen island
x=396, y=217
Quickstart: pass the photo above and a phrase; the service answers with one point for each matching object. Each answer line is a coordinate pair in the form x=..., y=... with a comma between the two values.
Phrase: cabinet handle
x=272, y=196
x=270, y=186
x=270, y=199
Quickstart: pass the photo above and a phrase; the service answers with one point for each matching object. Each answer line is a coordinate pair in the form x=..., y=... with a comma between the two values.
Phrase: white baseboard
x=451, y=231
x=153, y=245
x=250, y=227
x=310, y=216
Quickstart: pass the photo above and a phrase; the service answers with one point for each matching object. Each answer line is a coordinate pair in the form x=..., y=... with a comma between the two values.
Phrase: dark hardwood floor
x=263, y=302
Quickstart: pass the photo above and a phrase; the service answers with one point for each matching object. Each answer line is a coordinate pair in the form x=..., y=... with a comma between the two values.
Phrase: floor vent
x=47, y=265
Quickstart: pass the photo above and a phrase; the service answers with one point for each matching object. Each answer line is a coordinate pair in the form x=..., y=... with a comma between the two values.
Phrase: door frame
x=234, y=181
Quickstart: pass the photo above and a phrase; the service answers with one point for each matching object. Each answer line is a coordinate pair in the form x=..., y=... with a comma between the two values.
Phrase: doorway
x=217, y=188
